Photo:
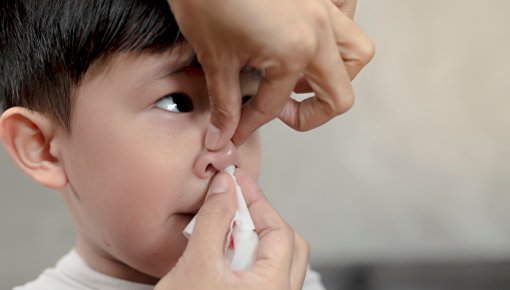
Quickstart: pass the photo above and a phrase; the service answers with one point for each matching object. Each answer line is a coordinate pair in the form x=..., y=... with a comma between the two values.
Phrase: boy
x=106, y=103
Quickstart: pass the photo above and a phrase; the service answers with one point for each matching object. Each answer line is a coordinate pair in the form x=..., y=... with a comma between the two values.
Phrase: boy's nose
x=208, y=162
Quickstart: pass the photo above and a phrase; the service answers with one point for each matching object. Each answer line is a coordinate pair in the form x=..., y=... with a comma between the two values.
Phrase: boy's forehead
x=151, y=66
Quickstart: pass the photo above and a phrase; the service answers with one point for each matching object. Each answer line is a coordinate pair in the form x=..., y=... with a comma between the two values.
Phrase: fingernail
x=212, y=137
x=219, y=184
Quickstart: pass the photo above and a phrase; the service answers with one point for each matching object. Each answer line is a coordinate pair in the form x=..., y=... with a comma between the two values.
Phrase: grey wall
x=34, y=227
x=418, y=170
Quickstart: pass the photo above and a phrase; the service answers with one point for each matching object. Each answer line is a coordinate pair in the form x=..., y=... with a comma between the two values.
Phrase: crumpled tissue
x=242, y=240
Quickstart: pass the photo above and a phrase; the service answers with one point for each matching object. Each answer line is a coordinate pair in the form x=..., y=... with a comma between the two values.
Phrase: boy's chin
x=151, y=275
x=151, y=267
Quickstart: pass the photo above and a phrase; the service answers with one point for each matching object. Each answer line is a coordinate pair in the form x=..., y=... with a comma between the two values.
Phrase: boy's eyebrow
x=180, y=63
x=192, y=62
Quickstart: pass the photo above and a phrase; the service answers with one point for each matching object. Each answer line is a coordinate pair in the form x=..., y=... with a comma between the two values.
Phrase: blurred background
x=408, y=190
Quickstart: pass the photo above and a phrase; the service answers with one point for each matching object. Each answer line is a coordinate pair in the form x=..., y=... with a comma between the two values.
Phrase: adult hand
x=281, y=258
x=287, y=39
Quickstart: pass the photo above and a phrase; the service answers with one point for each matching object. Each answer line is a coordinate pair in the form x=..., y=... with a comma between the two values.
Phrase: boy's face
x=135, y=160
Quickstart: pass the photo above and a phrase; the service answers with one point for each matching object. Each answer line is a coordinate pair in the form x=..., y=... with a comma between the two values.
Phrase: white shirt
x=71, y=272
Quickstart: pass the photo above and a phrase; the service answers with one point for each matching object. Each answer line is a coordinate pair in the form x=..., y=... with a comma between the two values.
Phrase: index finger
x=330, y=81
x=273, y=93
x=225, y=100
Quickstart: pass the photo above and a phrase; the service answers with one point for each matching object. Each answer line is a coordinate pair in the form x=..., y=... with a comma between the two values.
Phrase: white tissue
x=242, y=240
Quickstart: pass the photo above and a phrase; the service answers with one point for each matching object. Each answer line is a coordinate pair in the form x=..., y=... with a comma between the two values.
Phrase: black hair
x=47, y=46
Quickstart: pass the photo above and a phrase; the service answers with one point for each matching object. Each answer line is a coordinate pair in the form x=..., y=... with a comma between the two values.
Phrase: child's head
x=106, y=103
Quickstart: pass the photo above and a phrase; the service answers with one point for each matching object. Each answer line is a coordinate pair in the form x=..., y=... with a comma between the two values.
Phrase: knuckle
x=289, y=234
x=301, y=243
x=222, y=115
x=366, y=51
x=282, y=224
x=259, y=191
x=341, y=103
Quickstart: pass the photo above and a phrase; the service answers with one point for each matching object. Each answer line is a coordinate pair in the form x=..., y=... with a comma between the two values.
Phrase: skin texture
x=306, y=46
x=131, y=173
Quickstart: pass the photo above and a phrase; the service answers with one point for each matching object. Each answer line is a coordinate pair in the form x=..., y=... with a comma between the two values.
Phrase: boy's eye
x=175, y=102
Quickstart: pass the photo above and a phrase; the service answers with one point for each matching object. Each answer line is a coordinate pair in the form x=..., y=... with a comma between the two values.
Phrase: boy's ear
x=29, y=138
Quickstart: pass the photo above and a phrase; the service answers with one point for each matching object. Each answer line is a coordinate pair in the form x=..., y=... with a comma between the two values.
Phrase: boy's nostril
x=212, y=161
x=210, y=168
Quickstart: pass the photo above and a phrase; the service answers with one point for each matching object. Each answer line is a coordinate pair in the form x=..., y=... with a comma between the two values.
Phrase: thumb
x=225, y=98
x=206, y=244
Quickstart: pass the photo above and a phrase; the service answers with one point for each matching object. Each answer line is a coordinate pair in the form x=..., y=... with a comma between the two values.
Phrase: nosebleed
x=242, y=240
